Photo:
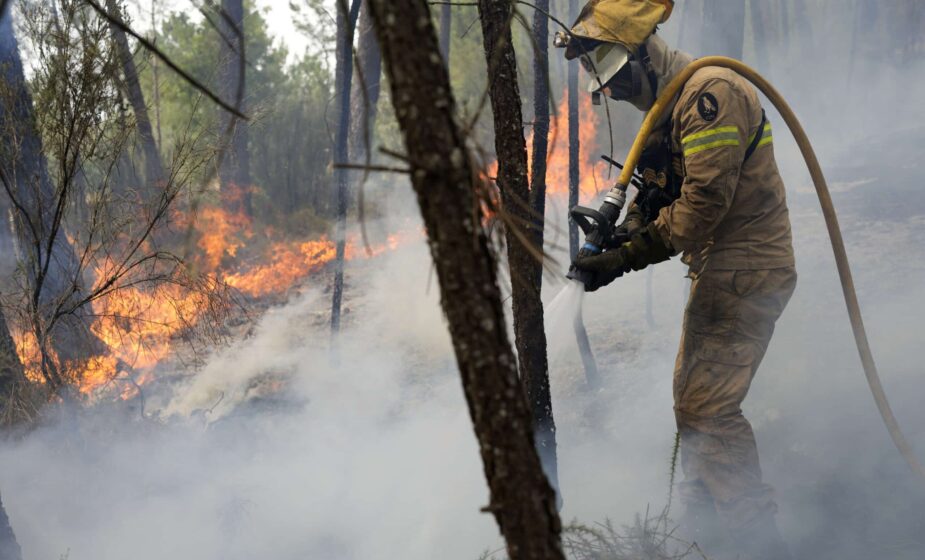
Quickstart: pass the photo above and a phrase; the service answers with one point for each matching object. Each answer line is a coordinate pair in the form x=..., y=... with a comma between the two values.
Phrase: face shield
x=619, y=75
x=603, y=63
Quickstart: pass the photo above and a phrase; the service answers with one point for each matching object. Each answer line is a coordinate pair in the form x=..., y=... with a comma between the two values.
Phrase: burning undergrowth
x=177, y=308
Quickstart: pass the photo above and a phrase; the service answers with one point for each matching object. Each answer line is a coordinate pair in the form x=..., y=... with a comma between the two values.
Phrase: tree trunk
x=234, y=172
x=446, y=28
x=51, y=265
x=724, y=28
x=154, y=168
x=574, y=179
x=12, y=379
x=343, y=76
x=535, y=368
x=362, y=130
x=762, y=31
x=443, y=178
x=9, y=548
x=574, y=142
x=691, y=32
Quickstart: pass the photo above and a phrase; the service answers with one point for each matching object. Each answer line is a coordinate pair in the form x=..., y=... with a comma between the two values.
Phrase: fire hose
x=604, y=221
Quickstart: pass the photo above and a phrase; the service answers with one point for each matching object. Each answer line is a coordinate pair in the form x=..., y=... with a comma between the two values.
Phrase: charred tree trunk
x=574, y=142
x=446, y=28
x=574, y=180
x=343, y=76
x=154, y=167
x=12, y=379
x=51, y=265
x=535, y=368
x=365, y=96
x=724, y=28
x=234, y=172
x=522, y=501
x=9, y=548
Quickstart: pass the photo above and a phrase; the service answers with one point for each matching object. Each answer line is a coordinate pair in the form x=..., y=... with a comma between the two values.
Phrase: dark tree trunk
x=530, y=333
x=442, y=175
x=446, y=28
x=343, y=77
x=574, y=142
x=234, y=172
x=574, y=179
x=154, y=168
x=364, y=107
x=12, y=377
x=9, y=548
x=52, y=267
x=723, y=28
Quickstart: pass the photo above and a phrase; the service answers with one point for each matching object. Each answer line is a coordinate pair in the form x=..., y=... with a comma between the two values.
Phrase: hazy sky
x=278, y=15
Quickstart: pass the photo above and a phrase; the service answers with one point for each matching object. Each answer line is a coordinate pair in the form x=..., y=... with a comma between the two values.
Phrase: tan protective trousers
x=728, y=324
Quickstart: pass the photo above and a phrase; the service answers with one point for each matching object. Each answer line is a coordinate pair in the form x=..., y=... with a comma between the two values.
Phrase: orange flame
x=139, y=325
x=557, y=162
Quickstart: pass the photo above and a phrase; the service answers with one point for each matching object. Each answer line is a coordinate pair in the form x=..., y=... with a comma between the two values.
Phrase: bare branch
x=165, y=59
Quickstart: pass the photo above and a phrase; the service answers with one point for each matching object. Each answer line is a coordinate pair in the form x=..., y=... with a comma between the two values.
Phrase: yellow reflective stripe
x=716, y=144
x=708, y=133
x=766, y=133
x=766, y=140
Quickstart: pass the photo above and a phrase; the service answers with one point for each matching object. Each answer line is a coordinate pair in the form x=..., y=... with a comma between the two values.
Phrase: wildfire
x=590, y=169
x=139, y=325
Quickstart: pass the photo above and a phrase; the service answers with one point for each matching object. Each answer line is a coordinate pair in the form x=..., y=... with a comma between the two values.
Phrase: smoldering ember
x=482, y=280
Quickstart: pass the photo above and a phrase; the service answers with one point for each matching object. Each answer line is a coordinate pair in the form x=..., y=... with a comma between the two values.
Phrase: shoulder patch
x=707, y=106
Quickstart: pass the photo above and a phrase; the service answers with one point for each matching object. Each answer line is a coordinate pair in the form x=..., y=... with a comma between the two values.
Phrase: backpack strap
x=758, y=135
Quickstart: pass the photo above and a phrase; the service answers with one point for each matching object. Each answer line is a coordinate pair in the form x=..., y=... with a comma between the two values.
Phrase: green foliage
x=287, y=100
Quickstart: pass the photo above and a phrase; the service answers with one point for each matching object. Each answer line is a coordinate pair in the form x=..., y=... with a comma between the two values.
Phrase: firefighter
x=730, y=222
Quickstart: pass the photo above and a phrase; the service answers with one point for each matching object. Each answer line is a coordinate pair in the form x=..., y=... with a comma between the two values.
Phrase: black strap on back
x=758, y=135
x=643, y=53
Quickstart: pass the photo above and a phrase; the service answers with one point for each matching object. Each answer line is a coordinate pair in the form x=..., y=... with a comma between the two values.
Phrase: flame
x=139, y=325
x=557, y=160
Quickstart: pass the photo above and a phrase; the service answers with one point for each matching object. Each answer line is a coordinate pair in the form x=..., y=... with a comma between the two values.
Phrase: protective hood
x=624, y=22
x=665, y=62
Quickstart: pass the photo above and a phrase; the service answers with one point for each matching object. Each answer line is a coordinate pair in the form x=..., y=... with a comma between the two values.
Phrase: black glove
x=644, y=248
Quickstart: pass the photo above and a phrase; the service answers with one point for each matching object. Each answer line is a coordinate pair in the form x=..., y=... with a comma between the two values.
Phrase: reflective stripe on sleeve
x=713, y=138
x=766, y=136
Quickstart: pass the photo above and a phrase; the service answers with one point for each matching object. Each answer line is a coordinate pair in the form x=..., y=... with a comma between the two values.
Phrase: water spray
x=599, y=226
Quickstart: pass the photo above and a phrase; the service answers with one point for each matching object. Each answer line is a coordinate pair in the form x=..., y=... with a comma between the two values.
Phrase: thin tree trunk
x=156, y=78
x=362, y=130
x=154, y=168
x=691, y=33
x=574, y=142
x=446, y=28
x=530, y=334
x=9, y=548
x=724, y=27
x=574, y=178
x=762, y=29
x=234, y=173
x=52, y=267
x=12, y=378
x=343, y=76
x=522, y=501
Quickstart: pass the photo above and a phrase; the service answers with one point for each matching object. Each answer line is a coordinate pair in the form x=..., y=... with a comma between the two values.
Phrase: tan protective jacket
x=732, y=214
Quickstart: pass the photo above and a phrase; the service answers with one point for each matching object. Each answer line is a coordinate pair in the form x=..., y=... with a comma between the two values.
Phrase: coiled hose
x=828, y=211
